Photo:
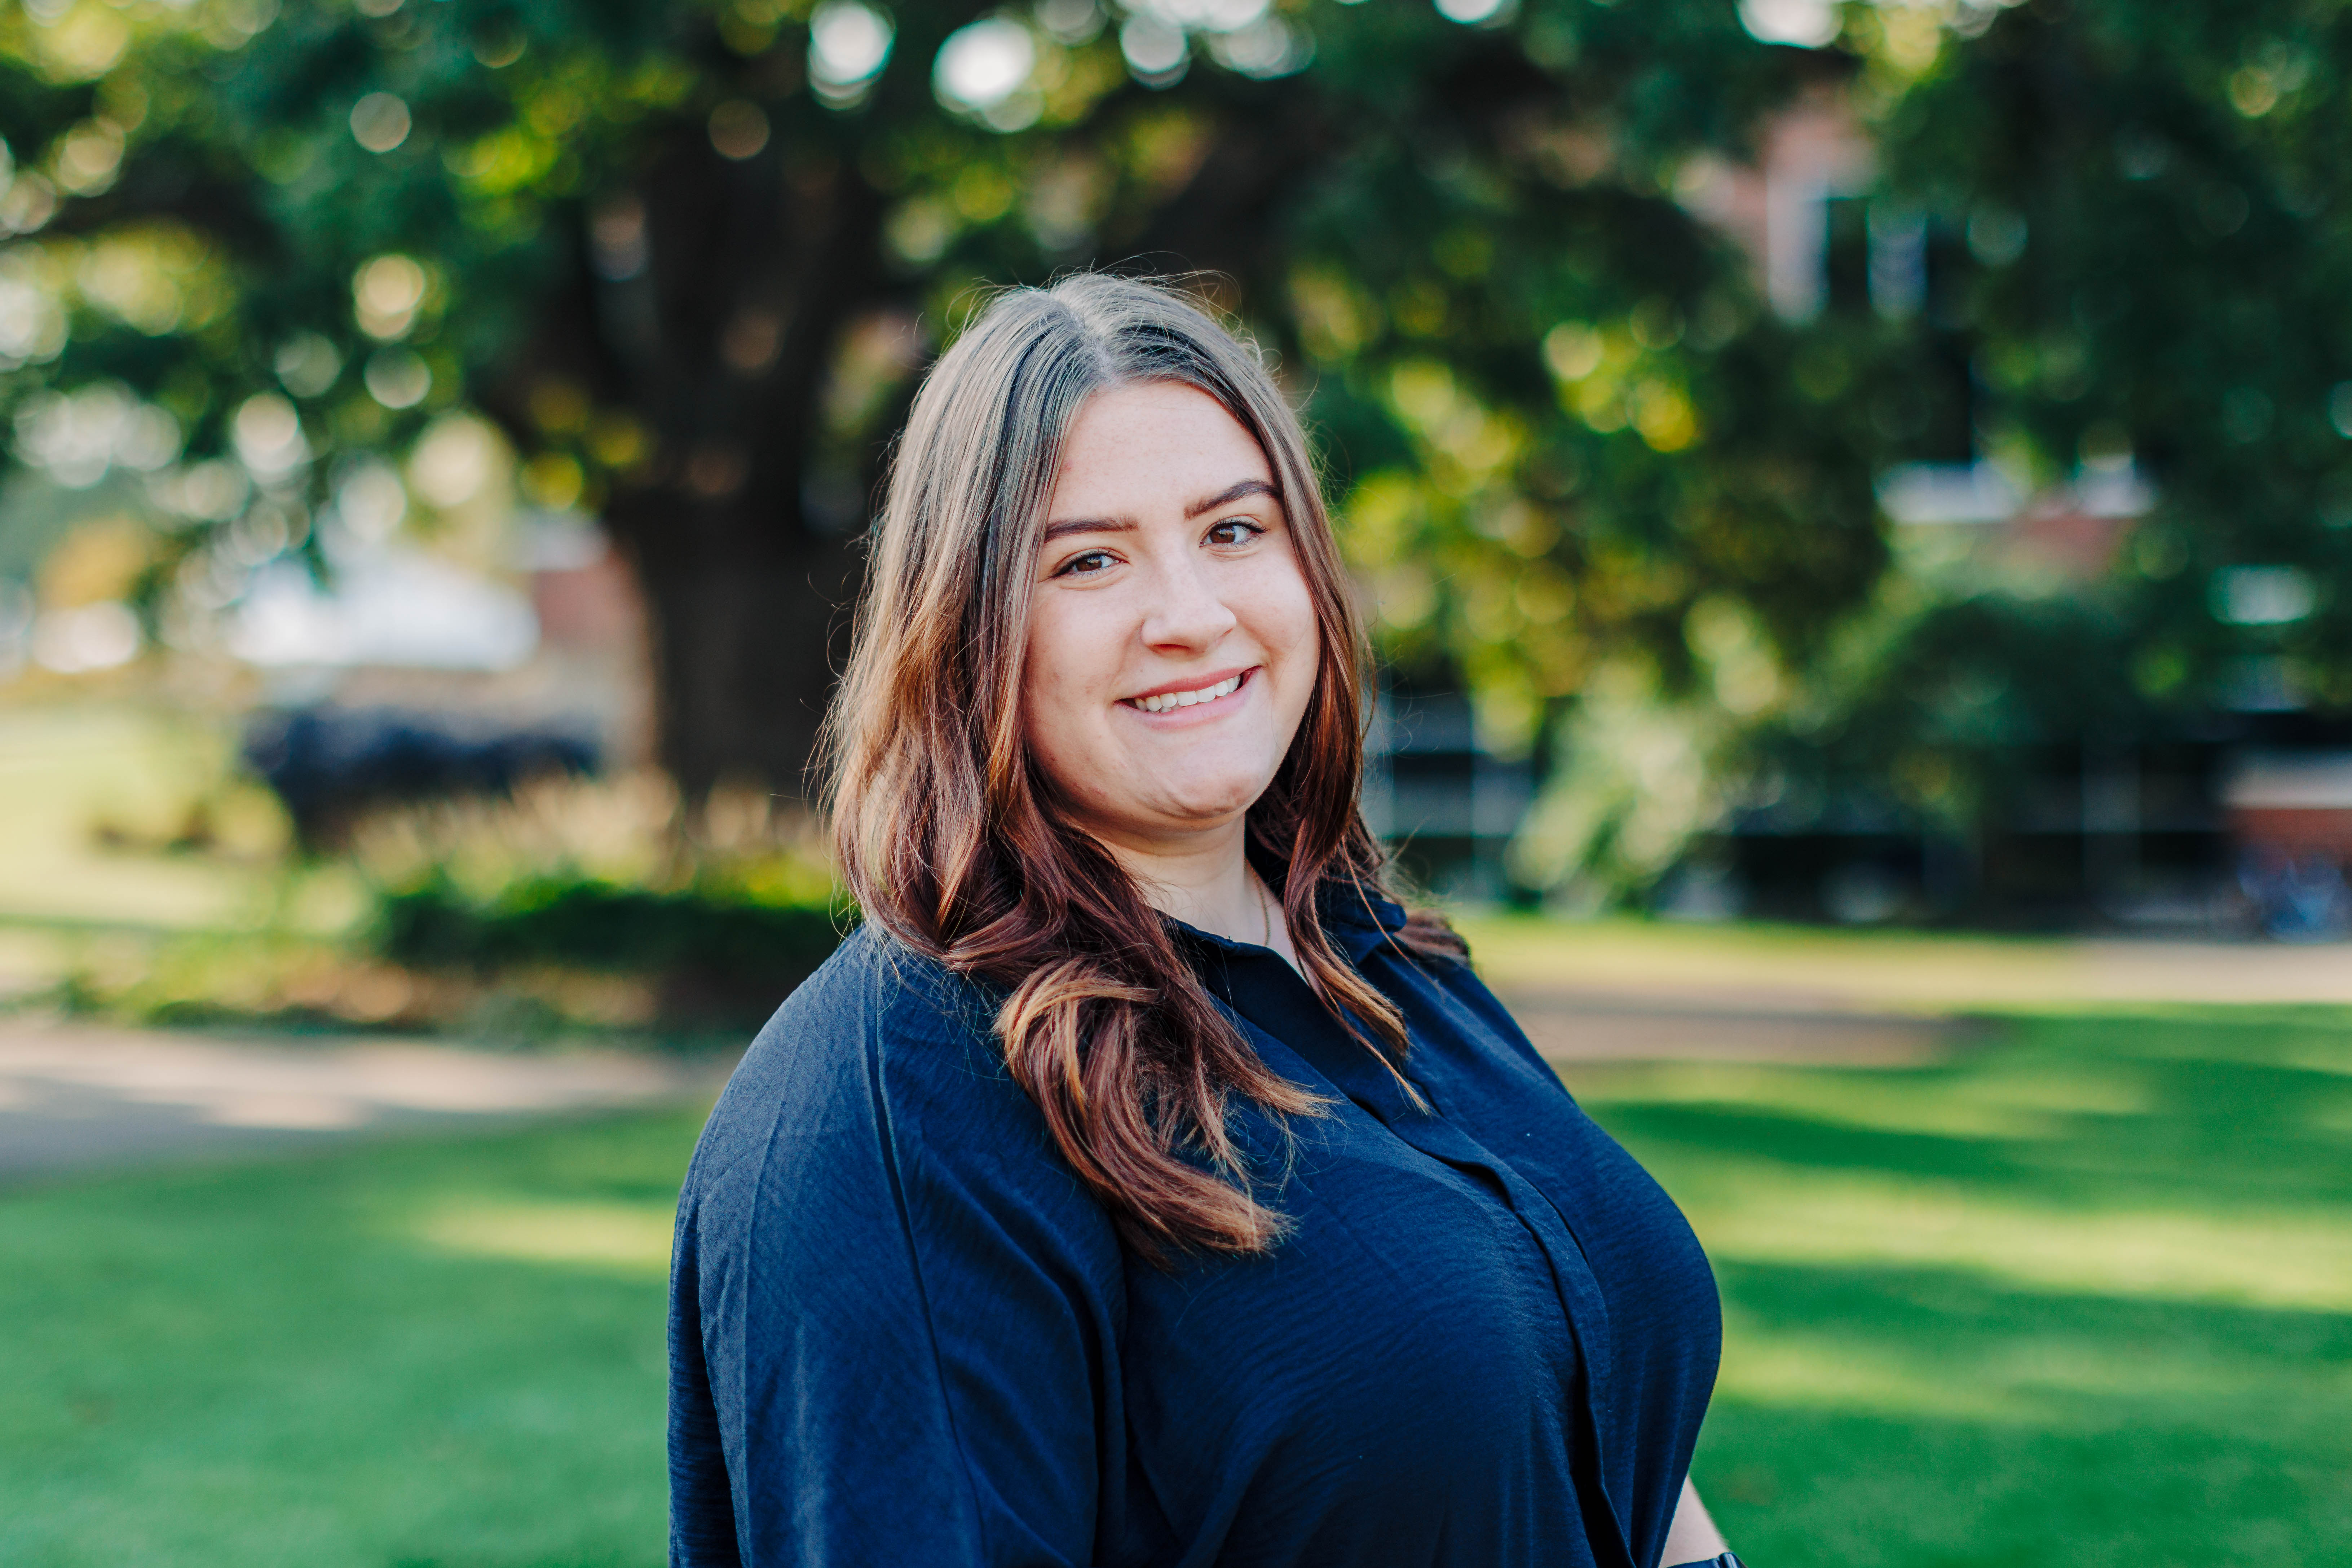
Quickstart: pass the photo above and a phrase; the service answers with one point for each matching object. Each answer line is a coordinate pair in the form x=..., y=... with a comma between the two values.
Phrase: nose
x=1187, y=614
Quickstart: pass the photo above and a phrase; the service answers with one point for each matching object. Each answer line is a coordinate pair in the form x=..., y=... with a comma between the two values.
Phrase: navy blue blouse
x=902, y=1332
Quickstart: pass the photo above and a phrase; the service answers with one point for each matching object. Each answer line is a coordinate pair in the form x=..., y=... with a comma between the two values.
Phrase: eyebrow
x=1225, y=497
x=1068, y=526
x=1231, y=494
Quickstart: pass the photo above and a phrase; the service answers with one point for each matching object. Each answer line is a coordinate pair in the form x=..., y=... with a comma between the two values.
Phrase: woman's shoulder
x=878, y=1045
x=877, y=1098
x=1438, y=975
x=877, y=987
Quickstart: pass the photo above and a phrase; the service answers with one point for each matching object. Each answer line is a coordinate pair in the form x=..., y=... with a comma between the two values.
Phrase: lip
x=1194, y=683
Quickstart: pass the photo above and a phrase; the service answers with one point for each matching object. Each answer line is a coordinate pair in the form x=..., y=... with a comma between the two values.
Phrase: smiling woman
x=1166, y=541
x=1143, y=1184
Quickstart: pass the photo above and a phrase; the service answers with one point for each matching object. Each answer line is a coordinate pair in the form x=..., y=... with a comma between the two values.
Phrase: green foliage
x=593, y=897
x=2138, y=258
x=2139, y=227
x=1935, y=708
x=710, y=934
x=690, y=280
x=2168, y=276
x=693, y=281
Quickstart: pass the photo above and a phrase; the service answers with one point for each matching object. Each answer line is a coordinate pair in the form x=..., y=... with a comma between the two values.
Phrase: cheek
x=1283, y=618
x=1057, y=681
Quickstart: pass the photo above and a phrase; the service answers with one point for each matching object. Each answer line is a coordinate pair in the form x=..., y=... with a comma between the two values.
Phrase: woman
x=1140, y=1185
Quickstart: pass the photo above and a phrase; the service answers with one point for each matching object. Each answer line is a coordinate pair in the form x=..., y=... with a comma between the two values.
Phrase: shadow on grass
x=2081, y=1296
x=1892, y=1416
x=2210, y=1109
x=341, y=1361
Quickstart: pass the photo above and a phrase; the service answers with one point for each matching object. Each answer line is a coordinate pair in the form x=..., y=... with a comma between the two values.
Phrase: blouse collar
x=1357, y=919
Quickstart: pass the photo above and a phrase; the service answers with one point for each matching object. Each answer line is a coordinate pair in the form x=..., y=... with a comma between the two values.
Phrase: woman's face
x=1173, y=641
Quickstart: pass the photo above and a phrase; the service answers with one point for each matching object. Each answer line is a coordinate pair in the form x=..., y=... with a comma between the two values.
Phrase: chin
x=1208, y=800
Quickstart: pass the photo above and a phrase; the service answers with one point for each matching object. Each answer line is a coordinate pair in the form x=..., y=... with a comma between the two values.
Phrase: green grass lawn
x=2081, y=1294
x=446, y=1354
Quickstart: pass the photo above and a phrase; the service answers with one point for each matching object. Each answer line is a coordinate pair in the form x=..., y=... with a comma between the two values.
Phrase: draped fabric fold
x=902, y=1331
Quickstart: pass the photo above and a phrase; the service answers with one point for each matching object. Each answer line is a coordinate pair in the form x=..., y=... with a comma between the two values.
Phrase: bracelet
x=1727, y=1561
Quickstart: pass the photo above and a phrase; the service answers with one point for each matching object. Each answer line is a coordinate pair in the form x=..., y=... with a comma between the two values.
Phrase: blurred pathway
x=1595, y=1024
x=1832, y=970
x=78, y=1096
x=1626, y=991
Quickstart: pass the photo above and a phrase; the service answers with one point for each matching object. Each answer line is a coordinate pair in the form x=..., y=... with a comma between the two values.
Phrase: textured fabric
x=902, y=1332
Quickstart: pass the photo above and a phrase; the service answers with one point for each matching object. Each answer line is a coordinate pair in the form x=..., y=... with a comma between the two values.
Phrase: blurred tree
x=2131, y=230
x=2154, y=218
x=691, y=256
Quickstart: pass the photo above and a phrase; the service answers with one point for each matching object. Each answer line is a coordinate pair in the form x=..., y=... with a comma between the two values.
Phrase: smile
x=1165, y=701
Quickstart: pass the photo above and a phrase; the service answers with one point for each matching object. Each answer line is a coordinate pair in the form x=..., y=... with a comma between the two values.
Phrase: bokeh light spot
x=983, y=65
x=738, y=130
x=380, y=122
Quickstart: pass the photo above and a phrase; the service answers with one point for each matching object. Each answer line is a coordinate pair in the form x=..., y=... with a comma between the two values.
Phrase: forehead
x=1157, y=444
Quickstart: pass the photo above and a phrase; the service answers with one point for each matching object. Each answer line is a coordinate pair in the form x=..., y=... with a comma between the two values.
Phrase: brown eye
x=1233, y=531
x=1086, y=565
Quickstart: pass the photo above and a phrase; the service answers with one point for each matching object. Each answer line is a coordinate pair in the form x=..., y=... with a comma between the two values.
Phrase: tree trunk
x=723, y=351
x=746, y=644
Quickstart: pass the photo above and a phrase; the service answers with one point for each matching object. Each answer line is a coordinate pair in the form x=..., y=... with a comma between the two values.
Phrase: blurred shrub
x=575, y=908
x=715, y=947
x=721, y=910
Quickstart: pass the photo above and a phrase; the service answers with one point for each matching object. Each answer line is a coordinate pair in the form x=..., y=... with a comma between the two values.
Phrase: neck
x=1204, y=879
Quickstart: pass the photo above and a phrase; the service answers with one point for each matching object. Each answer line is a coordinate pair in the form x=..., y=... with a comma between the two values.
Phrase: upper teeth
x=1162, y=704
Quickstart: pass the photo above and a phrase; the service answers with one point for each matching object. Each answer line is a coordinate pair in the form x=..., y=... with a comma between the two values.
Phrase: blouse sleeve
x=893, y=1309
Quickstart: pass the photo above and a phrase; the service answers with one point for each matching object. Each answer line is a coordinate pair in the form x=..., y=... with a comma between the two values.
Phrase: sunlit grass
x=630, y=1240
x=2293, y=1260
x=2079, y=1294
x=92, y=795
x=441, y=1352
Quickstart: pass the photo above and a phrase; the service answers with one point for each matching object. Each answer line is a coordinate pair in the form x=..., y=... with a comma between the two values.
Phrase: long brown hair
x=946, y=828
